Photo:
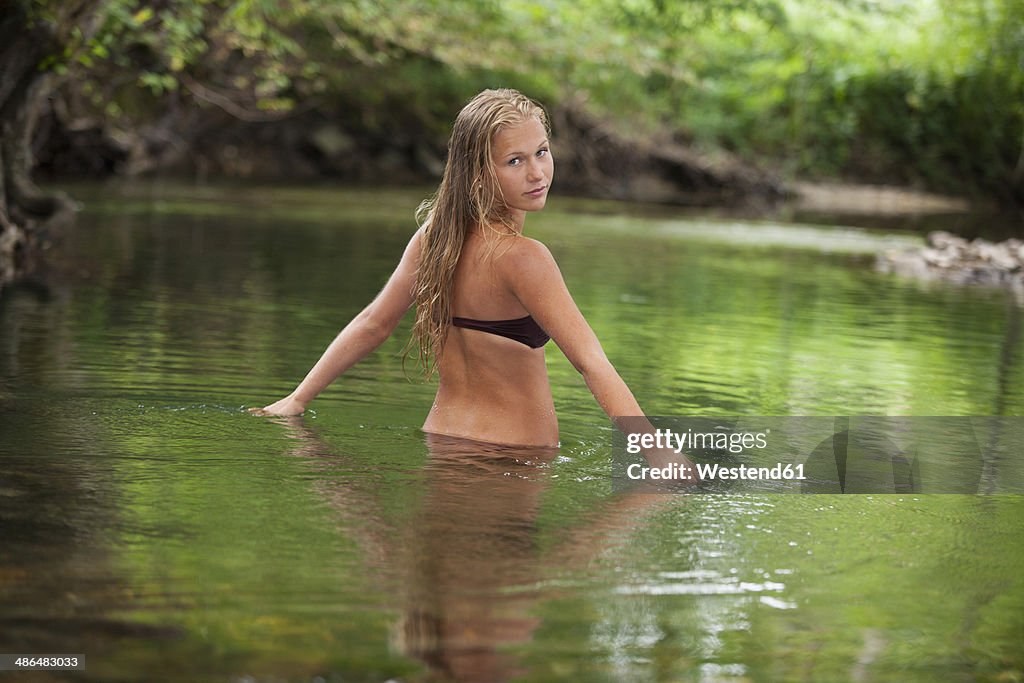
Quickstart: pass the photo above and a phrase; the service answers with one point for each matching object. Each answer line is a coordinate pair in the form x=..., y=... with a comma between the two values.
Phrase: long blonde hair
x=467, y=196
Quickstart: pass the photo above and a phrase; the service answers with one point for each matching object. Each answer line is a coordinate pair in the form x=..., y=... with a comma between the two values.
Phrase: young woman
x=487, y=298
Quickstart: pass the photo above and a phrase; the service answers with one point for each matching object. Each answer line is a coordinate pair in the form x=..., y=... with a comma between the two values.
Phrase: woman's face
x=523, y=165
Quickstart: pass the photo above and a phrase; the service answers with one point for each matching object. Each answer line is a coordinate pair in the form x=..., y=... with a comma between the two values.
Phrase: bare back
x=491, y=388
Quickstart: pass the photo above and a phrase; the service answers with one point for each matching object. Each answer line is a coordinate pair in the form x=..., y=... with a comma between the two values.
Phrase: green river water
x=151, y=524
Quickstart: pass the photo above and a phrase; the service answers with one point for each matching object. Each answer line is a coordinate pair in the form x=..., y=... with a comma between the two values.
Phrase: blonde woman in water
x=487, y=297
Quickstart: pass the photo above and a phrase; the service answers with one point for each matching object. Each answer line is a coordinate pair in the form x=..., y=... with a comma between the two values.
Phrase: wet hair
x=468, y=196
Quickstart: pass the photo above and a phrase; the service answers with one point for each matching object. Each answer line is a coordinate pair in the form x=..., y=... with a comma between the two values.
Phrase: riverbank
x=876, y=200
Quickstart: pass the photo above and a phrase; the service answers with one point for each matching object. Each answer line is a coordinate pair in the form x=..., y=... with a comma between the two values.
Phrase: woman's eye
x=514, y=162
x=542, y=152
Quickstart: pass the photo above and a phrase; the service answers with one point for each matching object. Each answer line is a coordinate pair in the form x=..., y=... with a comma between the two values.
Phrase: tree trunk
x=29, y=32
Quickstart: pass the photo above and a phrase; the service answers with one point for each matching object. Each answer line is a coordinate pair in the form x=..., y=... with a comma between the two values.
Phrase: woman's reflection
x=467, y=564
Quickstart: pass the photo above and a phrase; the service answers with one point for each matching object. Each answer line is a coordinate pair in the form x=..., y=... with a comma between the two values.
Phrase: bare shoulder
x=526, y=248
x=413, y=249
x=527, y=256
x=417, y=237
x=530, y=273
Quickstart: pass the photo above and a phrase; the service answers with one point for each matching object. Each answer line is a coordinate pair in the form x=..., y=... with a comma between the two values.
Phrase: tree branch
x=231, y=107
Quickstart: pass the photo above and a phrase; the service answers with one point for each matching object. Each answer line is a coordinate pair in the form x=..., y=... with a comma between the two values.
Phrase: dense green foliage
x=925, y=92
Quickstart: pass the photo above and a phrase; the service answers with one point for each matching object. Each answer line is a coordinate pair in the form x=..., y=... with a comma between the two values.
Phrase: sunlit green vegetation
x=928, y=93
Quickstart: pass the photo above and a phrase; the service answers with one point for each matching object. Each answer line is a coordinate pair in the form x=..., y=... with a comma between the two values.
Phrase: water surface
x=150, y=523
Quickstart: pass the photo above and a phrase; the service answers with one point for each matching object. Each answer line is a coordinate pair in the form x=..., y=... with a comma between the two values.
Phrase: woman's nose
x=535, y=170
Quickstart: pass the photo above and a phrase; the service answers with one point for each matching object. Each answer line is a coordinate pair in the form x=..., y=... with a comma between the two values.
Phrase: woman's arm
x=366, y=332
x=530, y=271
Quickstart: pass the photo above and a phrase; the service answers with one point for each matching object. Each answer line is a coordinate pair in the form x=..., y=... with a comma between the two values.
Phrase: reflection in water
x=60, y=585
x=468, y=566
x=471, y=556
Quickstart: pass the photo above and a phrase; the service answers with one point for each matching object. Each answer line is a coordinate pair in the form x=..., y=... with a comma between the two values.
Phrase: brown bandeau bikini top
x=524, y=330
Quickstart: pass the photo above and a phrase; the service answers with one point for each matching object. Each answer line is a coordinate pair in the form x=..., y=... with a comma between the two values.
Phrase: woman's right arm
x=363, y=334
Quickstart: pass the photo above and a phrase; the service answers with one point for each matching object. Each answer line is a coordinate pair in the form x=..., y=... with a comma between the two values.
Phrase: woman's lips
x=538, y=192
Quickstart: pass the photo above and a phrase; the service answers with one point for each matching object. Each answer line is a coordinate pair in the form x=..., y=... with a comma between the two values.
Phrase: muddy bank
x=595, y=158
x=874, y=200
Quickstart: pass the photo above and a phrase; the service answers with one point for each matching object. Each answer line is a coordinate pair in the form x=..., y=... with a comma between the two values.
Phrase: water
x=153, y=525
